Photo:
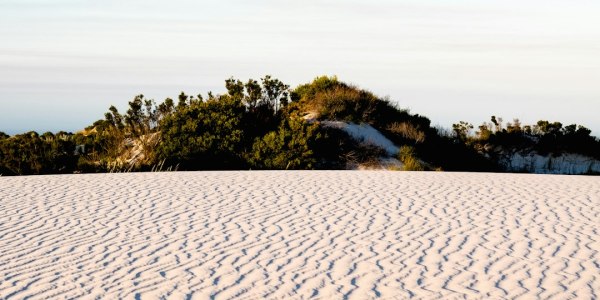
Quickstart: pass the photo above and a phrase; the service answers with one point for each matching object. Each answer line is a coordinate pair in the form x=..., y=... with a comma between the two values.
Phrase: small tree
x=461, y=130
x=497, y=123
x=275, y=92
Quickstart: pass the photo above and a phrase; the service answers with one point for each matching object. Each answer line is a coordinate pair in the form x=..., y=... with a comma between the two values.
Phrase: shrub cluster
x=260, y=124
x=31, y=153
x=544, y=137
x=248, y=127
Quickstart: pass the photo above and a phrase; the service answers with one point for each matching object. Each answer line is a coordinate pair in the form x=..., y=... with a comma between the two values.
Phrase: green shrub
x=408, y=157
x=32, y=154
x=204, y=135
x=544, y=137
x=290, y=147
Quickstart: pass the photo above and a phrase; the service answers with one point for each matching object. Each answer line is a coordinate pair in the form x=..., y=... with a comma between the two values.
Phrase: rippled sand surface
x=300, y=234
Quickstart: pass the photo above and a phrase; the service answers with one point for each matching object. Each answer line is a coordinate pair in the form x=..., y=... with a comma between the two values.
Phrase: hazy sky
x=62, y=63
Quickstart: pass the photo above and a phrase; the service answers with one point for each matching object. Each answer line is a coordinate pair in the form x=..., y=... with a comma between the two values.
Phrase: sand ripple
x=282, y=235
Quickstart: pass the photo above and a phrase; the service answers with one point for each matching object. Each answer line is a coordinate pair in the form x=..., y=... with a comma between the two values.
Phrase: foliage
x=262, y=102
x=290, y=147
x=407, y=155
x=32, y=154
x=408, y=131
x=443, y=150
x=336, y=149
x=271, y=93
x=334, y=100
x=257, y=124
x=461, y=130
x=543, y=137
x=204, y=135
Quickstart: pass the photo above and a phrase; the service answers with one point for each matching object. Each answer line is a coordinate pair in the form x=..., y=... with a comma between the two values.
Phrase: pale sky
x=63, y=63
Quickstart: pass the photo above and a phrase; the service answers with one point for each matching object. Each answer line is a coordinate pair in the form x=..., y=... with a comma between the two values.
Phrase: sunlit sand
x=297, y=234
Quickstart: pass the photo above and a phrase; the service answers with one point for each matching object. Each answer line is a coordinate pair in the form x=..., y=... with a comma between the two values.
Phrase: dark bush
x=205, y=135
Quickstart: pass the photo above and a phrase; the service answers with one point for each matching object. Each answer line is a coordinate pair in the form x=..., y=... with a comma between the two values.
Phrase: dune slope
x=282, y=235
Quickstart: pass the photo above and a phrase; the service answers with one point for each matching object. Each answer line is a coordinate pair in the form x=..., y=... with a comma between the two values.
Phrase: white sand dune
x=290, y=235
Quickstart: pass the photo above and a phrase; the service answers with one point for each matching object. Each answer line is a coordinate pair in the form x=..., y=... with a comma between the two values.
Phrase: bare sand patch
x=297, y=234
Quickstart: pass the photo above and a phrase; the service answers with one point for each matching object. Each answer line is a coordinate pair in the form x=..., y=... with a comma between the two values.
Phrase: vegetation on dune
x=331, y=99
x=408, y=157
x=544, y=137
x=31, y=153
x=203, y=134
x=263, y=124
x=289, y=147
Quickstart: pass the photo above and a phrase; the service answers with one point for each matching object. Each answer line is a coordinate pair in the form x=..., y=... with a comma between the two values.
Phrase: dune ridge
x=300, y=234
